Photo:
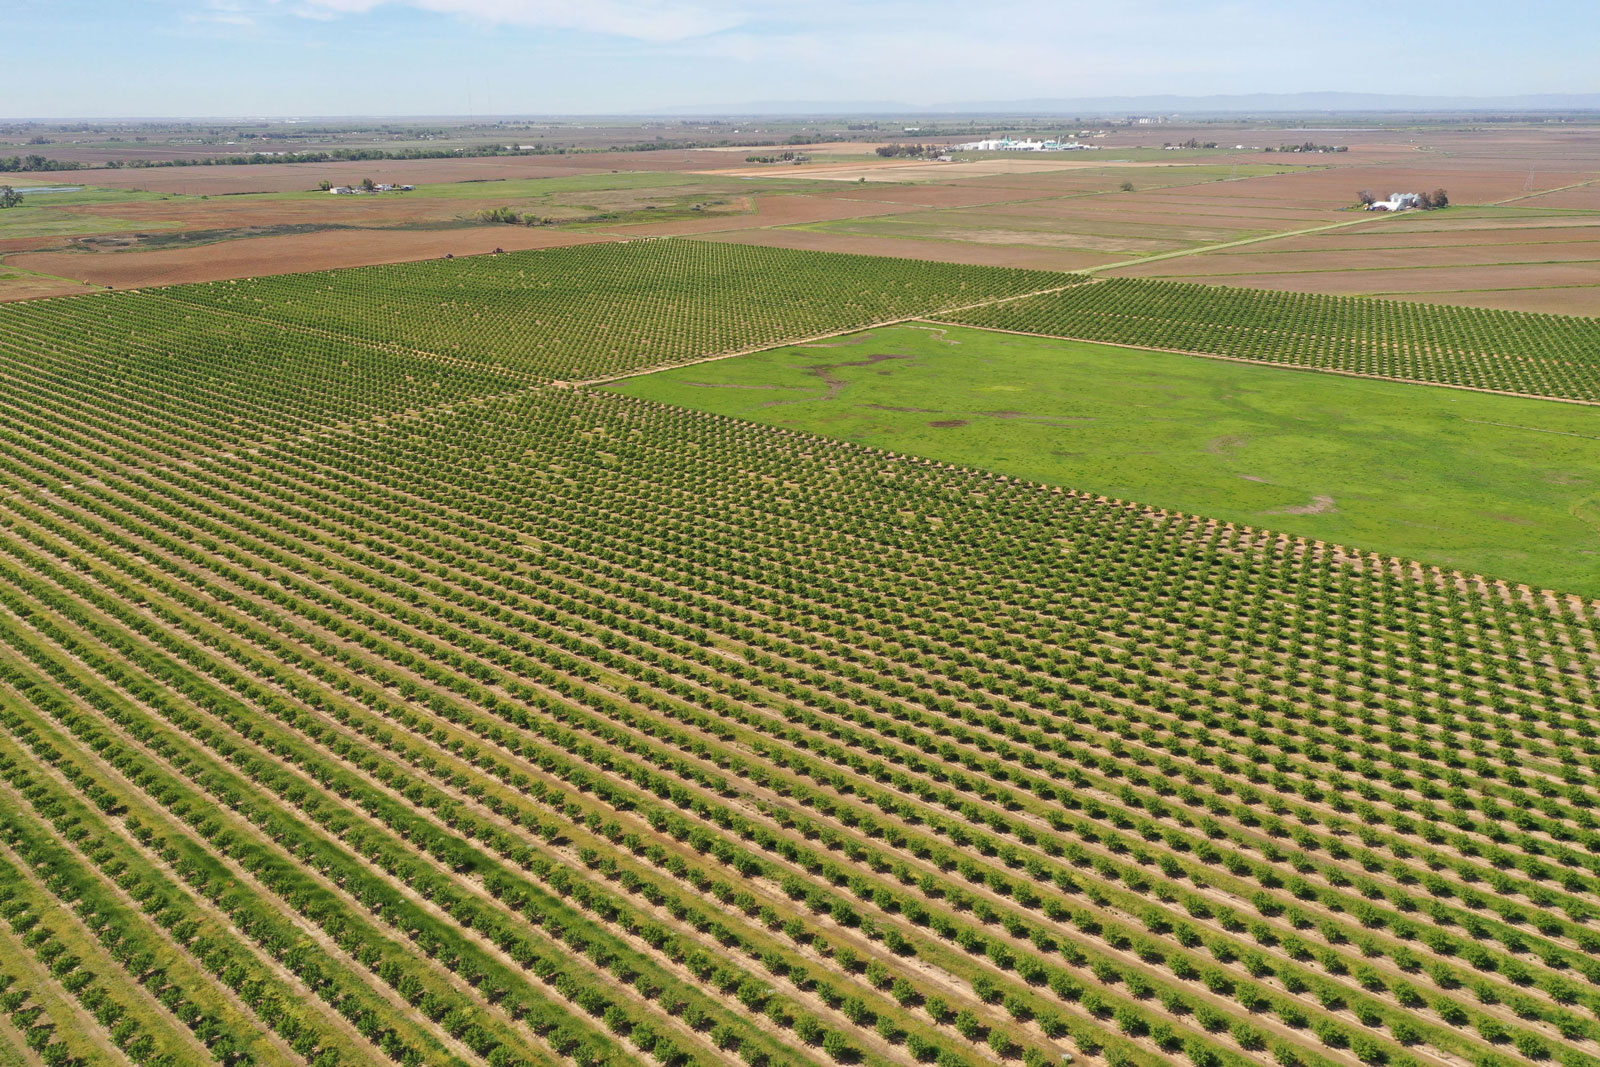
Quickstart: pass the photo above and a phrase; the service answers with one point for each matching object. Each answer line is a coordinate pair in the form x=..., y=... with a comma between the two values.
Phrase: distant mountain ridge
x=1243, y=103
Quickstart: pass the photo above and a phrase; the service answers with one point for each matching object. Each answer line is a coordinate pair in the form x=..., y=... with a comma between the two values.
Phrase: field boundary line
x=1226, y=244
x=1269, y=363
x=1542, y=192
x=1398, y=294
x=1188, y=278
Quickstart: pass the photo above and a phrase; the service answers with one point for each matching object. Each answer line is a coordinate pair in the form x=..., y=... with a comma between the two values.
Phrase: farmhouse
x=359, y=190
x=1397, y=202
x=1007, y=144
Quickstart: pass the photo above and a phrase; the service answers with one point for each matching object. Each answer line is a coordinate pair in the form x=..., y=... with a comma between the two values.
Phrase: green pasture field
x=48, y=222
x=1502, y=486
x=89, y=194
x=41, y=214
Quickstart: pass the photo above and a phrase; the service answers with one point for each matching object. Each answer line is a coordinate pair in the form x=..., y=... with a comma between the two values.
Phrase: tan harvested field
x=1585, y=197
x=252, y=257
x=1468, y=183
x=1503, y=226
x=1108, y=223
x=909, y=170
x=1523, y=255
x=1361, y=238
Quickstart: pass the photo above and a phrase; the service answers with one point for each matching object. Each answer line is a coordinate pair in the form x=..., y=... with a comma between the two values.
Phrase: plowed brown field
x=254, y=256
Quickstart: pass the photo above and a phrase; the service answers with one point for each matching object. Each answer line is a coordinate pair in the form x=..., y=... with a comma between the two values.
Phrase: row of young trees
x=34, y=1025
x=563, y=723
x=1514, y=351
x=604, y=309
x=644, y=458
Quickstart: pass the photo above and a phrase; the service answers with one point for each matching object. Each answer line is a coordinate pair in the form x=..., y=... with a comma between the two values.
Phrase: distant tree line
x=1311, y=146
x=22, y=164
x=338, y=155
x=891, y=150
x=351, y=155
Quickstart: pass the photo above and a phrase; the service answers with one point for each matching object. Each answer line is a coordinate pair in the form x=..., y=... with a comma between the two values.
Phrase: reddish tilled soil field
x=1584, y=198
x=1576, y=300
x=255, y=256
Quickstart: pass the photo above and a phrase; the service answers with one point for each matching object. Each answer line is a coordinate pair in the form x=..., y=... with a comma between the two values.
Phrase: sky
x=287, y=58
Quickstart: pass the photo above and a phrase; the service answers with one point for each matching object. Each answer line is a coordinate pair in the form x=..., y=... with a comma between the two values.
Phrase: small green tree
x=9, y=197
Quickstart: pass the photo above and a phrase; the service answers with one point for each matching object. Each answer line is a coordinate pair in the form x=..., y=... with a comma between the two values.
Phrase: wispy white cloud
x=657, y=21
x=635, y=56
x=223, y=18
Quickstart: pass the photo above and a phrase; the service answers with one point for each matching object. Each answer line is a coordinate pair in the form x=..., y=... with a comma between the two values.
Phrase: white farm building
x=1396, y=202
x=1008, y=144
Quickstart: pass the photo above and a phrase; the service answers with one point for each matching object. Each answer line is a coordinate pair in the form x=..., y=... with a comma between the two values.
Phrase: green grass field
x=86, y=194
x=40, y=214
x=1498, y=485
x=46, y=222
